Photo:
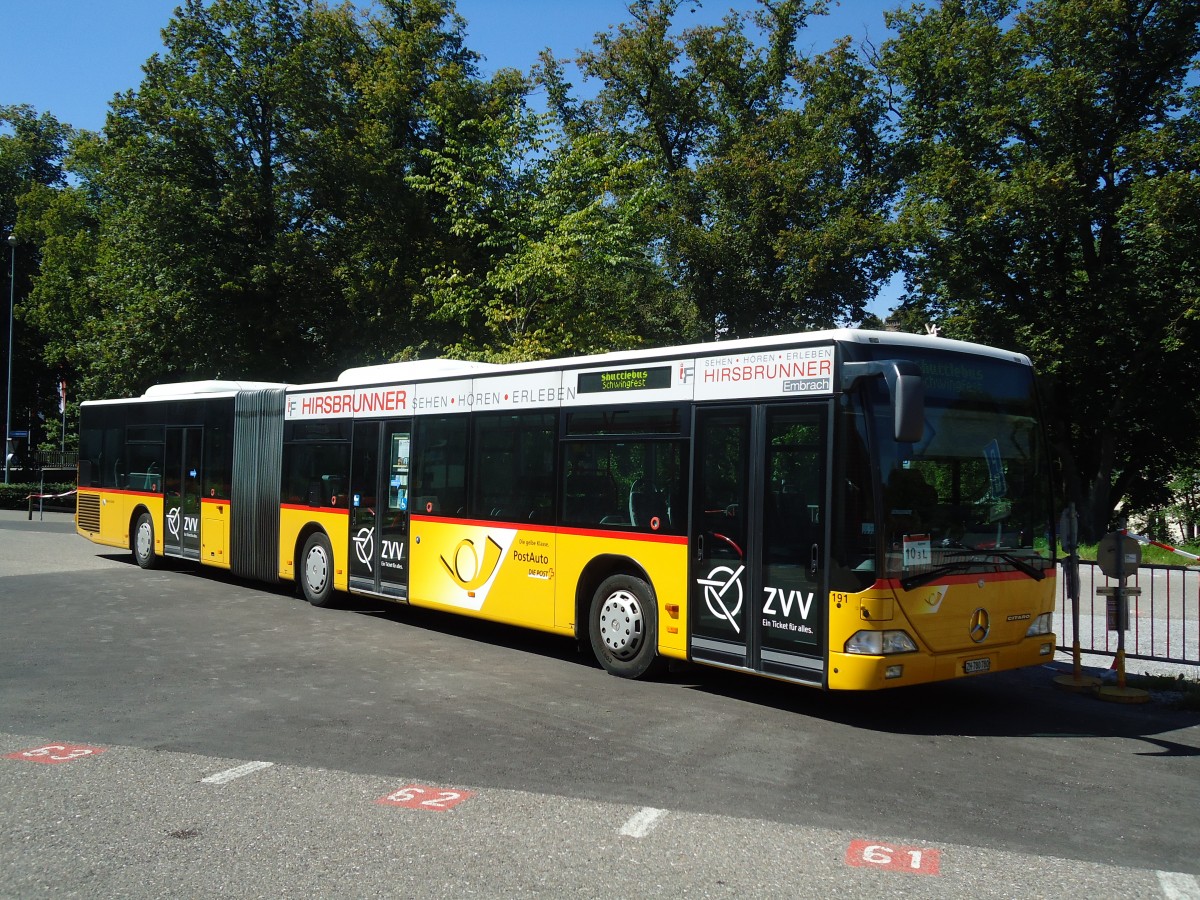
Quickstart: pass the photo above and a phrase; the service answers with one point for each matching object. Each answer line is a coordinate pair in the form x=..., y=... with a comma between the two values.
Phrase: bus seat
x=645, y=505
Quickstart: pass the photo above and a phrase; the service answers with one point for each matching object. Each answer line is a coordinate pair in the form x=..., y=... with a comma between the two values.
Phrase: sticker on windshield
x=991, y=452
x=917, y=550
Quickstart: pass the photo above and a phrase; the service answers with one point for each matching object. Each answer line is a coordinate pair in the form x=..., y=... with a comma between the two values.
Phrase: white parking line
x=642, y=821
x=1179, y=886
x=236, y=772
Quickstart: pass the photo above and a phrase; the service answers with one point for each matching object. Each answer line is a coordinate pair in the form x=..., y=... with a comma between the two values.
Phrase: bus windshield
x=973, y=494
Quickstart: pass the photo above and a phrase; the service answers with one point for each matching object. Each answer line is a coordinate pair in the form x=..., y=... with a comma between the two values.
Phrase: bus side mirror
x=908, y=401
x=905, y=388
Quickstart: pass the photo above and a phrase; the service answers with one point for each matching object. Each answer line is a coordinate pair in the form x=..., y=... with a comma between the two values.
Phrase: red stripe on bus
x=965, y=578
x=552, y=529
x=340, y=510
x=128, y=493
x=625, y=535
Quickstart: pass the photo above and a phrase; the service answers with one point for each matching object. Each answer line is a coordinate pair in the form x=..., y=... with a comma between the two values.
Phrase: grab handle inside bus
x=905, y=387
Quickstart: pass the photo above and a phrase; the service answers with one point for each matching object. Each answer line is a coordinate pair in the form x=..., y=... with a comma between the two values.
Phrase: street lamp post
x=12, y=289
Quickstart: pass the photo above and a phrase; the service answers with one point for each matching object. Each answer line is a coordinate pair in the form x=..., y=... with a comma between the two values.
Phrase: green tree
x=32, y=152
x=560, y=266
x=419, y=110
x=1050, y=197
x=772, y=175
x=187, y=249
x=254, y=208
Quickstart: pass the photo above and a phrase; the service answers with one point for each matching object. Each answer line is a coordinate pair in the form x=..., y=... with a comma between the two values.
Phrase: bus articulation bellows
x=844, y=509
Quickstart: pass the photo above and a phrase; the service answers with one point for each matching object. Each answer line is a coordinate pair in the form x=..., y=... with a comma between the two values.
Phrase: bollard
x=1068, y=529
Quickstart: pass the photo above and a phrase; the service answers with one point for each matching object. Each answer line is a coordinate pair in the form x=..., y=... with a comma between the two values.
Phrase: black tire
x=623, y=626
x=316, y=570
x=142, y=543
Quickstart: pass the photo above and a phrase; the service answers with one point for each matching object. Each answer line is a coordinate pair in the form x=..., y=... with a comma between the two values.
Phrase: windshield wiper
x=1021, y=566
x=1015, y=561
x=912, y=582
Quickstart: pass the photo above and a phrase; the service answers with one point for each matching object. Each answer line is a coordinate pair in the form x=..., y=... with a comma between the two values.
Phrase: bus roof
x=434, y=369
x=210, y=389
x=187, y=388
x=426, y=369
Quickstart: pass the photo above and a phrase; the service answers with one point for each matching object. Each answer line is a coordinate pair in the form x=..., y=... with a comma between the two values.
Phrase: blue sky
x=69, y=57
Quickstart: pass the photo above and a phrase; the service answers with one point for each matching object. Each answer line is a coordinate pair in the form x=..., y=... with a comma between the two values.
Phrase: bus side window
x=314, y=473
x=440, y=454
x=589, y=494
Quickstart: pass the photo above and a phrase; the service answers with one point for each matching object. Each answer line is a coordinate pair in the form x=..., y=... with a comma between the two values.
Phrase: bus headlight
x=1043, y=624
x=880, y=643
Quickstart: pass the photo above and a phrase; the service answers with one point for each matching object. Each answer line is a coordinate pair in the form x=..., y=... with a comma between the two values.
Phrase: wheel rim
x=316, y=569
x=145, y=540
x=622, y=624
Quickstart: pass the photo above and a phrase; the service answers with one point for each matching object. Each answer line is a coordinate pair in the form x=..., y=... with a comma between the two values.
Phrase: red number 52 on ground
x=53, y=754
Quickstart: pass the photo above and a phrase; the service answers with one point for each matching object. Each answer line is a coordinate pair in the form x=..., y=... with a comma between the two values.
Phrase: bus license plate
x=974, y=666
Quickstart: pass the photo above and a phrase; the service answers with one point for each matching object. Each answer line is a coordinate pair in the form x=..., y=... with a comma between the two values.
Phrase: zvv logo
x=786, y=600
x=364, y=546
x=716, y=586
x=173, y=522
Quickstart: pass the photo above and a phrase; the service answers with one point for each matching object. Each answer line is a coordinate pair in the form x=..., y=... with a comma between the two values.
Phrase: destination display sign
x=616, y=380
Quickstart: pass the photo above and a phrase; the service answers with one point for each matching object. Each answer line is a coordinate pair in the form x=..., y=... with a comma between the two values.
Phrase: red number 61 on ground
x=877, y=855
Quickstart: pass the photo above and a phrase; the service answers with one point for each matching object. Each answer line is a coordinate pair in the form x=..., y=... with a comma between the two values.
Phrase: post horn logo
x=467, y=569
x=981, y=624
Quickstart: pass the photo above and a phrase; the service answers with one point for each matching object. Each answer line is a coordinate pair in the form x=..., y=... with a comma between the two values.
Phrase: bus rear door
x=181, y=491
x=379, y=492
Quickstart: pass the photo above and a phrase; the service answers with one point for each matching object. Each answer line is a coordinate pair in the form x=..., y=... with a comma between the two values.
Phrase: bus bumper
x=853, y=672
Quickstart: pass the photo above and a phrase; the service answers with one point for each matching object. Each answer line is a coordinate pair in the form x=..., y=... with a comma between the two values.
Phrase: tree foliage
x=251, y=210
x=770, y=167
x=32, y=152
x=296, y=187
x=1050, y=190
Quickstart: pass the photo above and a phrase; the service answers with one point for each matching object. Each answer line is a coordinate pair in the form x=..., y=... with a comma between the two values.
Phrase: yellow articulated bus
x=844, y=509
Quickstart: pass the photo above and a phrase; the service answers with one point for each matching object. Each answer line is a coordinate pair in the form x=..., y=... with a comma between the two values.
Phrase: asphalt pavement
x=179, y=732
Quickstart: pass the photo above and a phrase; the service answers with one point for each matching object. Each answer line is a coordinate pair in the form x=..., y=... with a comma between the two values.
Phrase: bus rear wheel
x=316, y=570
x=623, y=626
x=143, y=542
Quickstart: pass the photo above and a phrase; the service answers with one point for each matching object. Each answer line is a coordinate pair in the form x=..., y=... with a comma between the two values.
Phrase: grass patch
x=1154, y=556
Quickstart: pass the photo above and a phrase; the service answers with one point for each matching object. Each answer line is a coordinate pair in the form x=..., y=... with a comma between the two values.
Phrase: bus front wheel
x=316, y=570
x=143, y=542
x=623, y=626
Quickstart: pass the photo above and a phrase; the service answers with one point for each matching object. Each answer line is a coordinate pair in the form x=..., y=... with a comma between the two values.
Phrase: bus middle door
x=758, y=587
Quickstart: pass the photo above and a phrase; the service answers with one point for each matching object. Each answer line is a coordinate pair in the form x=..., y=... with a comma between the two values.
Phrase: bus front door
x=379, y=486
x=758, y=587
x=181, y=492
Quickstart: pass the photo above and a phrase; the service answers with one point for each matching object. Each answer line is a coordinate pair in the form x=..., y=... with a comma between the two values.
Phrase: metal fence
x=57, y=459
x=1164, y=620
